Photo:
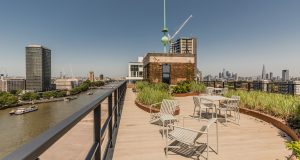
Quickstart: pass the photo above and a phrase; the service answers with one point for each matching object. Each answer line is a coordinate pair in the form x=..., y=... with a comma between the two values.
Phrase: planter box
x=280, y=124
x=154, y=110
x=185, y=94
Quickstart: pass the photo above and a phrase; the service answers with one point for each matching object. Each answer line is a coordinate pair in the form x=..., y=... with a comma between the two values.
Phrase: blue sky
x=103, y=35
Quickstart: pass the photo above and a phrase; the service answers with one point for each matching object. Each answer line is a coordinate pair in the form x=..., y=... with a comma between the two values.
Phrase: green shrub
x=160, y=86
x=151, y=95
x=182, y=87
x=197, y=87
x=139, y=85
x=283, y=106
x=183, y=82
x=295, y=147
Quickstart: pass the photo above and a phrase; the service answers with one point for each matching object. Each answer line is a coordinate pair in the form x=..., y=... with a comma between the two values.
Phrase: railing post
x=117, y=107
x=119, y=101
x=223, y=84
x=110, y=131
x=214, y=84
x=97, y=136
x=234, y=85
x=293, y=89
x=249, y=86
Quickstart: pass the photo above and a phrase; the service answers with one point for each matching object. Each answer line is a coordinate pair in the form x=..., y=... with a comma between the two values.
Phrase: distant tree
x=48, y=95
x=97, y=84
x=30, y=96
x=8, y=99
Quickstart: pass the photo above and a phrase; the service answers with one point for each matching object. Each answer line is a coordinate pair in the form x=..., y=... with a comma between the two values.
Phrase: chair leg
x=194, y=111
x=200, y=115
x=207, y=147
x=163, y=130
x=226, y=116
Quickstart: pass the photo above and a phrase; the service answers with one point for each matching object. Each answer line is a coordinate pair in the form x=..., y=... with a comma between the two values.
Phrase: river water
x=16, y=130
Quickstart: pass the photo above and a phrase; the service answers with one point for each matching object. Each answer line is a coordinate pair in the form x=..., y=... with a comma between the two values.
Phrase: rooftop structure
x=135, y=70
x=169, y=68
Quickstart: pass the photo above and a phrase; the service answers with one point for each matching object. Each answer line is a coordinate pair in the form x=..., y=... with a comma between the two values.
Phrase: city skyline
x=88, y=36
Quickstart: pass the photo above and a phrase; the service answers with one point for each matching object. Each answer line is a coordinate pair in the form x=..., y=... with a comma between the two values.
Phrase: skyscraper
x=38, y=68
x=263, y=75
x=285, y=75
x=91, y=76
x=271, y=75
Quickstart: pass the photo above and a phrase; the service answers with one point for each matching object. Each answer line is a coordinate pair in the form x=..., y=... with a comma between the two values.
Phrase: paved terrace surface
x=253, y=139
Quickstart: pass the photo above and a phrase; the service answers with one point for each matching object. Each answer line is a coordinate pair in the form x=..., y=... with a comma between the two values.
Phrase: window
x=166, y=70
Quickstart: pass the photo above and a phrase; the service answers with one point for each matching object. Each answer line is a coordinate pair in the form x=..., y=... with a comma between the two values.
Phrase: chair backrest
x=206, y=127
x=196, y=101
x=224, y=90
x=209, y=90
x=236, y=100
x=168, y=106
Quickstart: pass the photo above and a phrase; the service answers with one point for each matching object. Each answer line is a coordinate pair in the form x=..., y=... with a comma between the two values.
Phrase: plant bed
x=279, y=123
x=146, y=108
x=185, y=94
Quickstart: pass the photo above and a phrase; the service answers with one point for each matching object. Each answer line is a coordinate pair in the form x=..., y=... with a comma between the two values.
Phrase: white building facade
x=135, y=71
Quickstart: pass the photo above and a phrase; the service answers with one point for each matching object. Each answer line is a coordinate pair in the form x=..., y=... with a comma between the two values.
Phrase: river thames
x=16, y=130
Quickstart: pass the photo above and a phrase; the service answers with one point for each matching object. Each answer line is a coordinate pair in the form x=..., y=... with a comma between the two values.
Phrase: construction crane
x=175, y=34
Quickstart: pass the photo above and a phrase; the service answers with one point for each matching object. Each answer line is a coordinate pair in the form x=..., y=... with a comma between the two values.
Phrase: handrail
x=33, y=149
x=271, y=87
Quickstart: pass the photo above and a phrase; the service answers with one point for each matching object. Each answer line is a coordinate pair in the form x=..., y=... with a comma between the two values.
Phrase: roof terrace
x=252, y=139
x=132, y=137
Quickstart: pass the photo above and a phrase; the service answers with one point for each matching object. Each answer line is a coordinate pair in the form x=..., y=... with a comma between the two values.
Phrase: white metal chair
x=200, y=104
x=184, y=141
x=230, y=105
x=166, y=113
x=224, y=91
x=210, y=90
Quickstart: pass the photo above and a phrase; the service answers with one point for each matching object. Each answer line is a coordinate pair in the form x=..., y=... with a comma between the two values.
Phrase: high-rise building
x=263, y=75
x=38, y=68
x=271, y=75
x=101, y=77
x=285, y=75
x=91, y=76
x=184, y=45
x=223, y=73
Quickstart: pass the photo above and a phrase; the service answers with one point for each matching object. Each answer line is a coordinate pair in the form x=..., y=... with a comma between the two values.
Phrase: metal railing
x=271, y=87
x=115, y=96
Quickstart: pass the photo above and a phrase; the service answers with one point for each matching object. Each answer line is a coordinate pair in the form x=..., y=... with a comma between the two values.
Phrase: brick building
x=169, y=68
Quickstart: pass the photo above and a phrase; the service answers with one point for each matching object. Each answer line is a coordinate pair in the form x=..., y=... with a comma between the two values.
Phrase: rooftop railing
x=115, y=95
x=271, y=87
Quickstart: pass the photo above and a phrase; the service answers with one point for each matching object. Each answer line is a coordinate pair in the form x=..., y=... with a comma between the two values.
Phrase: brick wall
x=179, y=72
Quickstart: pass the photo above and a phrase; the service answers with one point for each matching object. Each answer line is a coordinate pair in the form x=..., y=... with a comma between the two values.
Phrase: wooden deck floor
x=251, y=140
